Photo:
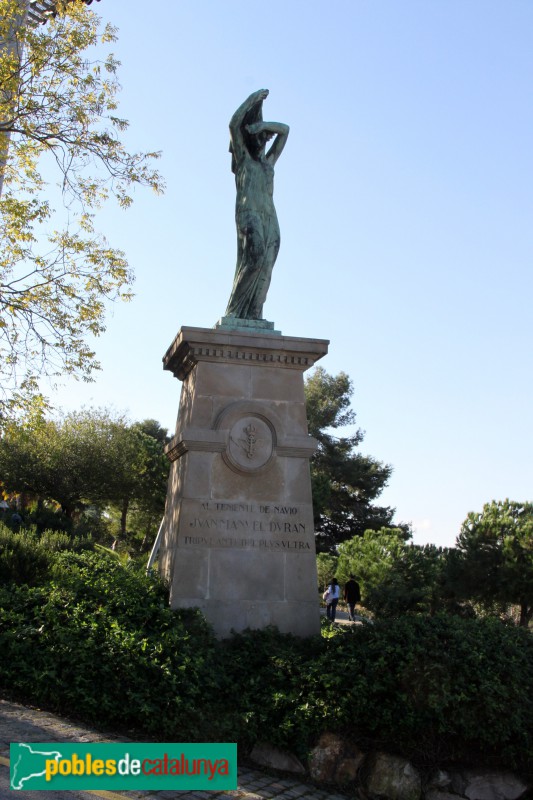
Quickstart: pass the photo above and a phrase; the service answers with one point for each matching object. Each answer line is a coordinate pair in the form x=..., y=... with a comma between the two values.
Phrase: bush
x=103, y=645
x=261, y=672
x=436, y=690
x=98, y=641
x=26, y=556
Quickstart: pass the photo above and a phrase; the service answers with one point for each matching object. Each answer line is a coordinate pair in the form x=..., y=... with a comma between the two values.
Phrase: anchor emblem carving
x=251, y=441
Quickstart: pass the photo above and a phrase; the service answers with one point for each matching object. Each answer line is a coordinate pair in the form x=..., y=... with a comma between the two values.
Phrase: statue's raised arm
x=257, y=225
x=251, y=111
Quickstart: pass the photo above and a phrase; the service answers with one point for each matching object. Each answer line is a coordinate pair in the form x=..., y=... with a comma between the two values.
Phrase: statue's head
x=256, y=142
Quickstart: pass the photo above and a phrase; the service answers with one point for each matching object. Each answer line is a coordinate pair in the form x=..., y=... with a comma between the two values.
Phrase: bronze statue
x=255, y=216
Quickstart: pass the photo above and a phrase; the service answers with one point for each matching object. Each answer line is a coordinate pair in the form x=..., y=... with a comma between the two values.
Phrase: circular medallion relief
x=251, y=443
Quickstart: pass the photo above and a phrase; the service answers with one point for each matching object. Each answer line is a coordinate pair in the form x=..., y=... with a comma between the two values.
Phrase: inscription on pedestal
x=247, y=525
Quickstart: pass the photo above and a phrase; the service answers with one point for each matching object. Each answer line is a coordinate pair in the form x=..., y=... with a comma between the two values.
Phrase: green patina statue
x=257, y=224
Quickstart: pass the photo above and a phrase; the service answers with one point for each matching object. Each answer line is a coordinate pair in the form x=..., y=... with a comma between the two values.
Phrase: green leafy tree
x=326, y=568
x=416, y=583
x=66, y=460
x=496, y=549
x=87, y=458
x=58, y=109
x=370, y=557
x=140, y=473
x=345, y=483
x=399, y=578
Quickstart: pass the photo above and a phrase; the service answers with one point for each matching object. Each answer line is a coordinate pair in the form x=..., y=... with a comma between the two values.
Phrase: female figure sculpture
x=255, y=216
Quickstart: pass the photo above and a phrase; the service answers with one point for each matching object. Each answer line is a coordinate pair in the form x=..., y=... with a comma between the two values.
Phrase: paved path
x=342, y=618
x=21, y=724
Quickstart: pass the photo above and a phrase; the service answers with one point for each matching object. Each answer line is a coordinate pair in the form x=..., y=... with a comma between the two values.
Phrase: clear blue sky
x=405, y=203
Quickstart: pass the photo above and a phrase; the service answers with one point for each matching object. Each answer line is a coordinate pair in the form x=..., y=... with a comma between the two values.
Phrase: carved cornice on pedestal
x=192, y=345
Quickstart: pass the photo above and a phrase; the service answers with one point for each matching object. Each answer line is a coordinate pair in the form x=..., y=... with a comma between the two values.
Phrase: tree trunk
x=525, y=614
x=124, y=516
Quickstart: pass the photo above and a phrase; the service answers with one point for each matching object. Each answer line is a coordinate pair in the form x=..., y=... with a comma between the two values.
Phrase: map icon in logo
x=27, y=763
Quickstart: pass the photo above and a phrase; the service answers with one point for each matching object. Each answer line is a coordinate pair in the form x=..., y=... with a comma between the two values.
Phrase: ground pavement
x=21, y=724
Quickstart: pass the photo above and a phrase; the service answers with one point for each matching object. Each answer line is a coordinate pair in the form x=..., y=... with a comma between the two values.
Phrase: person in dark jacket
x=352, y=596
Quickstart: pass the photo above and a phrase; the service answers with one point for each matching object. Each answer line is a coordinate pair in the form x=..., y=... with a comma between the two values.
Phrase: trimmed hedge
x=97, y=641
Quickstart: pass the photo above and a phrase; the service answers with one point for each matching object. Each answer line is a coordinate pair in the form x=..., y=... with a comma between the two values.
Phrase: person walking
x=334, y=593
x=352, y=596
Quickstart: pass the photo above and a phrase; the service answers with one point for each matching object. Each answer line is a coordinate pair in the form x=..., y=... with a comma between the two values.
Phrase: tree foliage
x=140, y=472
x=419, y=582
x=496, y=549
x=69, y=460
x=345, y=483
x=401, y=578
x=488, y=574
x=370, y=557
x=58, y=115
x=326, y=566
x=88, y=458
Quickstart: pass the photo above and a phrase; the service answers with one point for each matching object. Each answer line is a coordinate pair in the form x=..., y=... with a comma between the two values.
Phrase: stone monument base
x=238, y=538
x=247, y=325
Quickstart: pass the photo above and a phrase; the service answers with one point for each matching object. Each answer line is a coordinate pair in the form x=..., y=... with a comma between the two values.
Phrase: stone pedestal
x=238, y=538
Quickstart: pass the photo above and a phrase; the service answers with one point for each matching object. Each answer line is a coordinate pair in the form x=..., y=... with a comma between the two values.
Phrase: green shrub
x=99, y=642
x=261, y=671
x=435, y=689
x=26, y=556
x=102, y=644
